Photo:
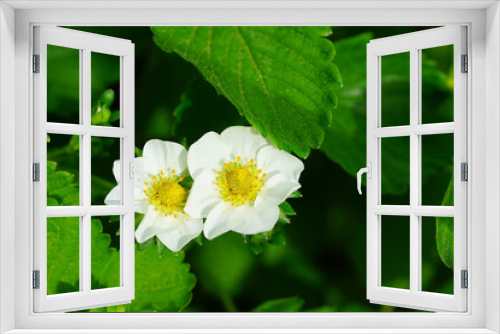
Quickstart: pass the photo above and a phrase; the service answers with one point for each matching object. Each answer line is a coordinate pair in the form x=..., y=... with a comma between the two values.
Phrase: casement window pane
x=395, y=89
x=63, y=255
x=437, y=86
x=437, y=254
x=395, y=251
x=395, y=170
x=105, y=152
x=105, y=90
x=63, y=85
x=437, y=150
x=105, y=249
x=63, y=170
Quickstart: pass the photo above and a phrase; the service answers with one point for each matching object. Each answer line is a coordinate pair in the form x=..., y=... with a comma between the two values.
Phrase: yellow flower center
x=166, y=194
x=239, y=182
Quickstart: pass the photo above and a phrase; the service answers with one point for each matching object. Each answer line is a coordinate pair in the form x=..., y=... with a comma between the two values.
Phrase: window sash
x=414, y=297
x=86, y=43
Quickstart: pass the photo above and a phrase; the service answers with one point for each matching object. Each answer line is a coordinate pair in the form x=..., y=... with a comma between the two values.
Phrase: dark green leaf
x=295, y=194
x=292, y=304
x=199, y=239
x=283, y=219
x=287, y=209
x=187, y=182
x=281, y=79
x=444, y=230
x=138, y=152
x=278, y=239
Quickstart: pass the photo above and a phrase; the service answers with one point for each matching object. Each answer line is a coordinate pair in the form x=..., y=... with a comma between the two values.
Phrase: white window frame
x=85, y=44
x=483, y=20
x=413, y=44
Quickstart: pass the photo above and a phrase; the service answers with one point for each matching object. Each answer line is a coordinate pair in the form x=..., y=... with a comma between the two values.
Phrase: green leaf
x=105, y=263
x=138, y=152
x=202, y=110
x=161, y=284
x=278, y=239
x=292, y=304
x=51, y=202
x=58, y=180
x=283, y=219
x=281, y=79
x=60, y=186
x=345, y=140
x=63, y=254
x=187, y=182
x=444, y=230
x=287, y=209
x=295, y=194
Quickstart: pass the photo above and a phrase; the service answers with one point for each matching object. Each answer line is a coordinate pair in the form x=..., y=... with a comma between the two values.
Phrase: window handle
x=139, y=171
x=368, y=171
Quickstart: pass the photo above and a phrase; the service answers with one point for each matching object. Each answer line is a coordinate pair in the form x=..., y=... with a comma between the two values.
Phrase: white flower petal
x=141, y=204
x=272, y=161
x=116, y=171
x=245, y=141
x=256, y=219
x=245, y=219
x=167, y=155
x=153, y=224
x=203, y=196
x=187, y=230
x=218, y=221
x=148, y=166
x=276, y=190
x=208, y=152
x=114, y=196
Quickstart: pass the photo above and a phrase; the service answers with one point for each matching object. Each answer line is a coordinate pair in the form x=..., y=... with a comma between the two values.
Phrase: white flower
x=163, y=198
x=240, y=178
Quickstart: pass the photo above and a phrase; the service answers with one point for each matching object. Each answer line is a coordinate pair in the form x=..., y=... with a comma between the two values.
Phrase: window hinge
x=36, y=172
x=36, y=63
x=465, y=279
x=464, y=171
x=36, y=279
x=465, y=64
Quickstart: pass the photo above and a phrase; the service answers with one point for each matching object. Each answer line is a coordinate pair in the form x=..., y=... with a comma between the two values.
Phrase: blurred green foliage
x=315, y=262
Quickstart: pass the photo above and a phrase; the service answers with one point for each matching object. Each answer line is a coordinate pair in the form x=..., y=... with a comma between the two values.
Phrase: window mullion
x=414, y=171
x=85, y=167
